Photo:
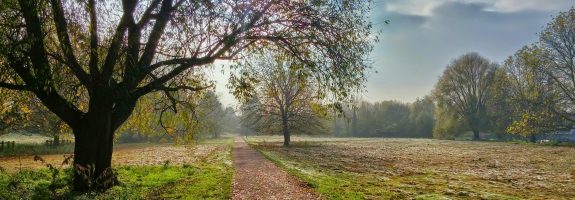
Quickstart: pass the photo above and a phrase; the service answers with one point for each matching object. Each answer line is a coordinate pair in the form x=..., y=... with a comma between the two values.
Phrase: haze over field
x=423, y=36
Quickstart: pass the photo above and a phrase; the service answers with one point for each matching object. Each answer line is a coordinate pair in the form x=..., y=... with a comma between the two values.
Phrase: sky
x=424, y=36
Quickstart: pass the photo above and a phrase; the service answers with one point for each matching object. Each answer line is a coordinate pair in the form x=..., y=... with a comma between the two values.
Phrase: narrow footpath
x=258, y=178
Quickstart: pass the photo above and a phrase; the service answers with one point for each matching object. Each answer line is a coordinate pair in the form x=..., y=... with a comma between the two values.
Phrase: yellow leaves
x=25, y=109
x=319, y=109
x=530, y=123
x=170, y=130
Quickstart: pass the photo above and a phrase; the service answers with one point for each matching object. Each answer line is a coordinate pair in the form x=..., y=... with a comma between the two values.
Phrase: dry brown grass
x=457, y=169
x=125, y=155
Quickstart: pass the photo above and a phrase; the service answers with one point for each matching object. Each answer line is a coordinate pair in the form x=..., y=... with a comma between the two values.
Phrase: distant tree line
x=386, y=119
x=532, y=93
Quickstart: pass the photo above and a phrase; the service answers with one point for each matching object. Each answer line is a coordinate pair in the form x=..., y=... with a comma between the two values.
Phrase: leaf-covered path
x=258, y=178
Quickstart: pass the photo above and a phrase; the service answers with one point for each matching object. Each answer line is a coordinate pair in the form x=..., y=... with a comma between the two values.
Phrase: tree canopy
x=90, y=61
x=464, y=89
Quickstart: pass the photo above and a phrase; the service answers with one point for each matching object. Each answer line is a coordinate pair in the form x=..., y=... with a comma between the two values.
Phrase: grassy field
x=25, y=138
x=201, y=171
x=425, y=169
x=32, y=144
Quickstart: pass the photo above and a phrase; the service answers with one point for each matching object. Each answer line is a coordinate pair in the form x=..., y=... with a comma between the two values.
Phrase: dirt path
x=258, y=178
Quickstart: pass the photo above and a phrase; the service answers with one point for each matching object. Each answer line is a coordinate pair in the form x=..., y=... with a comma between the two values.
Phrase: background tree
x=500, y=106
x=421, y=117
x=286, y=98
x=13, y=111
x=531, y=92
x=557, y=43
x=118, y=52
x=448, y=124
x=387, y=119
x=197, y=115
x=26, y=113
x=211, y=115
x=464, y=87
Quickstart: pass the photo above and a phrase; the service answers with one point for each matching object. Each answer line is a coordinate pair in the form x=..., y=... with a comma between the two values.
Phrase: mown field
x=425, y=169
x=145, y=171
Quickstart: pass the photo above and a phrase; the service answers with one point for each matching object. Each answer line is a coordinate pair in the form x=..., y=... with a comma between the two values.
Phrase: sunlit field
x=342, y=168
x=145, y=171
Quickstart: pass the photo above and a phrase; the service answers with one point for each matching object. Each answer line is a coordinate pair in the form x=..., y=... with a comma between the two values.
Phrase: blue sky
x=423, y=36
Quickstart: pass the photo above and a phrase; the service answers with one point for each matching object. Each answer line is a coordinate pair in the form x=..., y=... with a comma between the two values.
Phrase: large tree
x=531, y=92
x=557, y=43
x=464, y=87
x=119, y=51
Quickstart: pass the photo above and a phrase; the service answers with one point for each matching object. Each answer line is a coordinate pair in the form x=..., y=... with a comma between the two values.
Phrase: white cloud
x=426, y=7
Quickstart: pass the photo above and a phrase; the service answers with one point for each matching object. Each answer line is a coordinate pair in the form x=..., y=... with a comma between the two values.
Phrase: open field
x=201, y=171
x=341, y=168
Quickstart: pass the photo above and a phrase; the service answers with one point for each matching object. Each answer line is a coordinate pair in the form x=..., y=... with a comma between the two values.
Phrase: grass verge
x=208, y=178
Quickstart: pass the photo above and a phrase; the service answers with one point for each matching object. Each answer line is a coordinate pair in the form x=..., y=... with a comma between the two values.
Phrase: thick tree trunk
x=285, y=130
x=93, y=152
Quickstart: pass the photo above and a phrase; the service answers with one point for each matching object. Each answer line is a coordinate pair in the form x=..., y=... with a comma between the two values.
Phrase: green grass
x=330, y=184
x=209, y=178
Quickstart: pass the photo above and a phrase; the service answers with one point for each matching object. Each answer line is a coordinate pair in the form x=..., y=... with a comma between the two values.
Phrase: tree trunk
x=56, y=139
x=476, y=135
x=93, y=152
x=285, y=130
x=216, y=133
x=354, y=124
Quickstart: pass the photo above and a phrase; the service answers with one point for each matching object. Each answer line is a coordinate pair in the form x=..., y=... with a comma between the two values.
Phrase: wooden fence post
x=13, y=145
x=1, y=146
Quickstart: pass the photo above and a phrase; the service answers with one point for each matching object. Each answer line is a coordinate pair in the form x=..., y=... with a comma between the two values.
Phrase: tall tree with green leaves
x=464, y=87
x=118, y=51
x=532, y=93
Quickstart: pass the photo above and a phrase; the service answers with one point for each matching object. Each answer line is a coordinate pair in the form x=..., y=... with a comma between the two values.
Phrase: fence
x=51, y=142
x=7, y=145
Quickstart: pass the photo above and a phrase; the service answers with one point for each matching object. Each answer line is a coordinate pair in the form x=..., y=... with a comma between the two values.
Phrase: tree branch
x=114, y=49
x=66, y=45
x=41, y=82
x=93, y=63
x=148, y=14
x=156, y=34
x=14, y=86
x=183, y=87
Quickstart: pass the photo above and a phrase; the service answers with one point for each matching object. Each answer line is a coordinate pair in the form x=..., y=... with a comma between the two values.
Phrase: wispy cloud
x=427, y=7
